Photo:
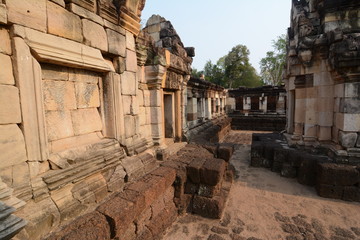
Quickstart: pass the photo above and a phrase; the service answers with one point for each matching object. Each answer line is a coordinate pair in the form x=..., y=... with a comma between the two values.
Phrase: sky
x=214, y=27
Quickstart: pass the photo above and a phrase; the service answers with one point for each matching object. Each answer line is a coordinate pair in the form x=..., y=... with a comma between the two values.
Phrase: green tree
x=195, y=73
x=233, y=70
x=272, y=66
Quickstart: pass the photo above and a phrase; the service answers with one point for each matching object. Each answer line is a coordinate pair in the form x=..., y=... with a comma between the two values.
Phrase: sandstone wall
x=70, y=107
x=323, y=75
x=82, y=96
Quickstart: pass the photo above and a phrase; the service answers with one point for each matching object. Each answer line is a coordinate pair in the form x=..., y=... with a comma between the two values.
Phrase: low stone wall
x=142, y=211
x=193, y=180
x=203, y=181
x=211, y=131
x=332, y=180
x=273, y=123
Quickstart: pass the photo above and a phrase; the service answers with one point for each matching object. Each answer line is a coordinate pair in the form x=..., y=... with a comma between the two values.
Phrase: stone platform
x=331, y=179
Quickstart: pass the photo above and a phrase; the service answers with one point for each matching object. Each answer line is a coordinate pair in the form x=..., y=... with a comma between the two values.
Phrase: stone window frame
x=32, y=47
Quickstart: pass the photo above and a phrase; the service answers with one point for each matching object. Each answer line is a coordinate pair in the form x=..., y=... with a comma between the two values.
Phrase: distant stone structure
x=262, y=108
x=88, y=101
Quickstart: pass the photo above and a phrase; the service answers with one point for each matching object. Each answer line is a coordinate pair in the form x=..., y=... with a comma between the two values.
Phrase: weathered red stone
x=90, y=226
x=193, y=169
x=168, y=173
x=225, y=151
x=337, y=174
x=120, y=214
x=212, y=171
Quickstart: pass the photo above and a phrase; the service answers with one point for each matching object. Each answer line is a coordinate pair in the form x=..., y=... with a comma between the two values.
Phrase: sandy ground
x=263, y=205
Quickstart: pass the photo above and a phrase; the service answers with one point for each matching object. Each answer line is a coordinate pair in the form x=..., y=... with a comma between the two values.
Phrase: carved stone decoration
x=87, y=4
x=154, y=75
x=130, y=12
x=52, y=49
x=173, y=81
x=108, y=10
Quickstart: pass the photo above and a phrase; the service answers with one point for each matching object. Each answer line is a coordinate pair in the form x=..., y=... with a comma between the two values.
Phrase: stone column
x=154, y=76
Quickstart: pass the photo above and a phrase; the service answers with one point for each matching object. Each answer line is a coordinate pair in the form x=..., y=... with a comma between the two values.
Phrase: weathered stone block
x=358, y=141
x=131, y=61
x=337, y=174
x=257, y=151
x=164, y=220
x=126, y=104
x=168, y=173
x=59, y=2
x=59, y=125
x=119, y=64
x=3, y=14
x=42, y=217
x=90, y=190
x=329, y=191
x=31, y=13
x=63, y=23
x=280, y=156
x=5, y=46
x=86, y=120
x=117, y=43
x=10, y=105
x=121, y=212
x=138, y=199
x=347, y=140
x=128, y=83
x=209, y=207
x=225, y=151
x=68, y=206
x=134, y=168
x=95, y=35
x=87, y=95
x=324, y=133
x=212, y=171
x=130, y=41
x=307, y=171
x=129, y=122
x=150, y=186
x=59, y=95
x=54, y=72
x=6, y=74
x=90, y=226
x=156, y=115
x=115, y=179
x=351, y=194
x=288, y=171
x=83, y=12
x=12, y=146
x=78, y=75
x=349, y=105
x=194, y=168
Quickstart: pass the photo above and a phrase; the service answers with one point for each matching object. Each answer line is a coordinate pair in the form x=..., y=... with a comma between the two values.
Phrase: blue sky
x=213, y=27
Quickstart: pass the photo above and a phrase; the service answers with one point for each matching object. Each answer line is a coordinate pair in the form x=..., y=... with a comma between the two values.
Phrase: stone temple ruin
x=105, y=135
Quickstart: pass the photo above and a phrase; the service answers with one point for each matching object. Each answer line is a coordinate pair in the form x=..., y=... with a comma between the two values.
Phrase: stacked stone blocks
x=331, y=179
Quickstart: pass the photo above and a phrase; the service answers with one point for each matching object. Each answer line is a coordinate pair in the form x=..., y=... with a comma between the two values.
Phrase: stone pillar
x=348, y=116
x=192, y=109
x=208, y=108
x=154, y=76
x=280, y=104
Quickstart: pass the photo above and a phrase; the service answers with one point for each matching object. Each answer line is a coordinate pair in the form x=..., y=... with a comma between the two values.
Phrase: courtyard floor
x=264, y=205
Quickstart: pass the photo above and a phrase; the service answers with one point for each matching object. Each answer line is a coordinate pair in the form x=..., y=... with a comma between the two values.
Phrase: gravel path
x=263, y=205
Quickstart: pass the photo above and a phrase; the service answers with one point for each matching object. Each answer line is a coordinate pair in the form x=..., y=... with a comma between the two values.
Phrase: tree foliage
x=233, y=70
x=272, y=66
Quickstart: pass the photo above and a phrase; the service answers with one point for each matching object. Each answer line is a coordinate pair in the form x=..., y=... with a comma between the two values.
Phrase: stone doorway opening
x=169, y=115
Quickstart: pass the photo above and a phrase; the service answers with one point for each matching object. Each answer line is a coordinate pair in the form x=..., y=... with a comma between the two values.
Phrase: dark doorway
x=255, y=103
x=169, y=115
